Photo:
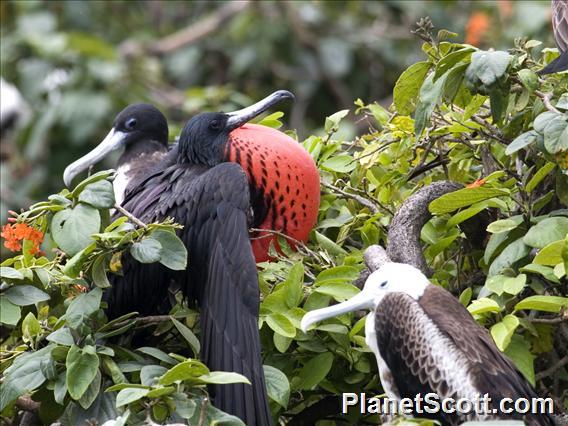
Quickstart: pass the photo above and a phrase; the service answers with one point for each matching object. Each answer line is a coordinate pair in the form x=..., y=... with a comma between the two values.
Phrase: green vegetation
x=483, y=119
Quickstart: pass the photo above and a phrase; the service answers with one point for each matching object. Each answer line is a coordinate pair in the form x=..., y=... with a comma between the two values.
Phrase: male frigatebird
x=215, y=200
x=283, y=178
x=425, y=341
x=141, y=130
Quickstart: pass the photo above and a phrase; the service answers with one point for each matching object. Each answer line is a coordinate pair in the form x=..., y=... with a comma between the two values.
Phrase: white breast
x=121, y=182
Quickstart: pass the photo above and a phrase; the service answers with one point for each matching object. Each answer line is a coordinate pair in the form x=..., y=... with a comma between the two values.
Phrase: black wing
x=213, y=205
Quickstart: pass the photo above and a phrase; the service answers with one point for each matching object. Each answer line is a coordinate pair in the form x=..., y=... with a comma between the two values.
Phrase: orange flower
x=477, y=26
x=476, y=184
x=15, y=233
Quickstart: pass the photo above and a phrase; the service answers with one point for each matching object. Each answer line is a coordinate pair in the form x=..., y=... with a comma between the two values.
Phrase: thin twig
x=546, y=101
x=557, y=320
x=144, y=320
x=553, y=369
x=27, y=404
x=361, y=200
x=130, y=216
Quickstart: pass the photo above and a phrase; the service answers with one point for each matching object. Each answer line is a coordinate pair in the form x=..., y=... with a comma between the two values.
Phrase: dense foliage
x=78, y=63
x=484, y=119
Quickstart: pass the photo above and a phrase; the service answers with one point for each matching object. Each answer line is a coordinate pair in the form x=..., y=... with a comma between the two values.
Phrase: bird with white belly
x=425, y=341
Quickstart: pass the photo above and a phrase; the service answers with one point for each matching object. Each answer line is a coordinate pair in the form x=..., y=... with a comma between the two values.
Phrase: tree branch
x=549, y=371
x=361, y=200
x=130, y=216
x=546, y=101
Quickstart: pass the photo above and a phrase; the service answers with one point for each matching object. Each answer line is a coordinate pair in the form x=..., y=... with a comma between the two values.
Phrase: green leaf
x=556, y=134
x=332, y=122
x=99, y=194
x=488, y=66
x=173, y=254
x=447, y=203
x=83, y=306
x=74, y=265
x=547, y=231
x=24, y=375
x=99, y=271
x=504, y=330
x=71, y=229
x=188, y=336
x=223, y=378
x=448, y=61
x=343, y=274
x=338, y=290
x=92, y=391
x=340, y=164
x=407, y=87
x=519, y=352
x=314, y=371
x=186, y=370
x=504, y=225
x=10, y=273
x=150, y=374
x=62, y=336
x=294, y=285
x=543, y=303
x=104, y=174
x=329, y=245
x=272, y=120
x=551, y=254
x=522, y=141
x=430, y=95
x=9, y=313
x=158, y=354
x=465, y=296
x=146, y=251
x=24, y=295
x=277, y=385
x=160, y=392
x=483, y=305
x=514, y=252
x=130, y=395
x=30, y=327
x=529, y=79
x=539, y=176
x=500, y=284
x=281, y=325
x=82, y=366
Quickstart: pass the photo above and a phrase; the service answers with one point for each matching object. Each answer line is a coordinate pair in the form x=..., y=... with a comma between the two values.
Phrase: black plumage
x=560, y=29
x=210, y=197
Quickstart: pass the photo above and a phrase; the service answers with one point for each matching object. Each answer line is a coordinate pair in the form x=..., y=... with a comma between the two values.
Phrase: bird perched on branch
x=560, y=29
x=223, y=177
x=425, y=341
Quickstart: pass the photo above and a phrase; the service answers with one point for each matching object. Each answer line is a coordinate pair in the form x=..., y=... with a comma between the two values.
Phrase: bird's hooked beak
x=113, y=141
x=238, y=118
x=363, y=300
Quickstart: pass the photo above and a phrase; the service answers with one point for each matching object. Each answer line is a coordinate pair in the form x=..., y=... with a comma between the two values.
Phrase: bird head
x=135, y=123
x=389, y=278
x=203, y=139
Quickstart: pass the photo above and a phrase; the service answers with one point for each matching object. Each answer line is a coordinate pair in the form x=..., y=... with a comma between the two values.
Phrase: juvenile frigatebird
x=212, y=198
x=142, y=131
x=425, y=341
x=560, y=29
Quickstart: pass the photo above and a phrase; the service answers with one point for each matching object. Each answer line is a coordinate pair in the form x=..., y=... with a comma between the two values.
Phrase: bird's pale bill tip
x=113, y=140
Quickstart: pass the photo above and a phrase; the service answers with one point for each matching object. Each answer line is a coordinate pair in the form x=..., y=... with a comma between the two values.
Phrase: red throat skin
x=284, y=182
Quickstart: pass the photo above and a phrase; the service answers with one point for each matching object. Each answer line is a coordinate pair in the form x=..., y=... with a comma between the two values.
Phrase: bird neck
x=140, y=150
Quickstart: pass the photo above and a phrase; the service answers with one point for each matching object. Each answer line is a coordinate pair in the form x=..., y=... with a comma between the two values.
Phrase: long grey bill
x=242, y=116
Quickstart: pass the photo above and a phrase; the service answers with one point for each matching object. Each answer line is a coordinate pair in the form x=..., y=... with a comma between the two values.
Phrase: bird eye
x=215, y=125
x=384, y=284
x=130, y=123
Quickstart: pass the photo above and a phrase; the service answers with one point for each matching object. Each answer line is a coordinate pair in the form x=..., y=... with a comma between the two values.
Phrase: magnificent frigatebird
x=213, y=199
x=284, y=181
x=425, y=341
x=142, y=131
x=560, y=29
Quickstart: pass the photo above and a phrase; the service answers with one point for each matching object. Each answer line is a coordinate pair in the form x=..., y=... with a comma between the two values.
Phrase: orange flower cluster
x=15, y=233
